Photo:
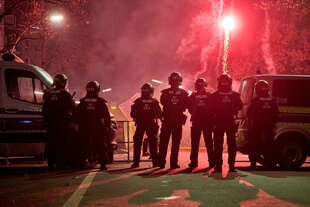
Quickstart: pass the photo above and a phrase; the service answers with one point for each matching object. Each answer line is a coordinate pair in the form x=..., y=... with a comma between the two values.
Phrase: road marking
x=245, y=183
x=79, y=193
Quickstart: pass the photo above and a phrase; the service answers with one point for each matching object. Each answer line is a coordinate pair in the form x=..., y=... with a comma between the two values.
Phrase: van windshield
x=47, y=76
x=246, y=90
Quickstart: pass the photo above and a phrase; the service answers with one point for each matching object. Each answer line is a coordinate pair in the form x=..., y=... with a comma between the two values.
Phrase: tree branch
x=25, y=38
x=11, y=8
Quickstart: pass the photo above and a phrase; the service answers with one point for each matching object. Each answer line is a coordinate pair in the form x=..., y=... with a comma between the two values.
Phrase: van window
x=39, y=88
x=25, y=88
x=292, y=92
x=24, y=85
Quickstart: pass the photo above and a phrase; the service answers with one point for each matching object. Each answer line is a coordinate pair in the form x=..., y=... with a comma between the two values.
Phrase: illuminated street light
x=57, y=17
x=106, y=90
x=54, y=18
x=228, y=23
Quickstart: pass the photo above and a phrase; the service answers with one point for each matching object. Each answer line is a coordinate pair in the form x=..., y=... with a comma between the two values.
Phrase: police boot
x=172, y=167
x=162, y=164
x=192, y=165
x=211, y=165
x=135, y=165
x=253, y=166
x=156, y=164
x=232, y=168
x=218, y=168
x=103, y=167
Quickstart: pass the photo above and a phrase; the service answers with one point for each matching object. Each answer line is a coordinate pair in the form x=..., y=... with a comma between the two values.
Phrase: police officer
x=261, y=114
x=224, y=105
x=145, y=111
x=94, y=122
x=201, y=122
x=57, y=111
x=175, y=101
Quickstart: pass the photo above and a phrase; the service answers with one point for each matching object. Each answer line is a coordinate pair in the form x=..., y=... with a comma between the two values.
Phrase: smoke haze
x=266, y=47
x=149, y=40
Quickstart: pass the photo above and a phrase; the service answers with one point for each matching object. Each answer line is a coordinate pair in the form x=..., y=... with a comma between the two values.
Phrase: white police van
x=22, y=128
x=292, y=137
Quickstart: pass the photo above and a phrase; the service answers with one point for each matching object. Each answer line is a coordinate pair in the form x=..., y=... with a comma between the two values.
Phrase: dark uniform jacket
x=93, y=113
x=145, y=110
x=175, y=102
x=58, y=105
x=224, y=106
x=262, y=112
x=198, y=106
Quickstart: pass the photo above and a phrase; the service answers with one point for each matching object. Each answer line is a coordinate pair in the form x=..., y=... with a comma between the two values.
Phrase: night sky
x=151, y=40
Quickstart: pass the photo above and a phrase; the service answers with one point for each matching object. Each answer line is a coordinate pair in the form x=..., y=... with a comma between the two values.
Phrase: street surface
x=34, y=185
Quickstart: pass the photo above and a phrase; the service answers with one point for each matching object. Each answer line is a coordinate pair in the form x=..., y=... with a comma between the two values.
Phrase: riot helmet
x=175, y=79
x=224, y=83
x=200, y=84
x=60, y=80
x=93, y=88
x=147, y=90
x=262, y=88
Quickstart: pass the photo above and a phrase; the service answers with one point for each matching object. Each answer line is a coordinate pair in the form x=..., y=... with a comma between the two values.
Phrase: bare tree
x=32, y=18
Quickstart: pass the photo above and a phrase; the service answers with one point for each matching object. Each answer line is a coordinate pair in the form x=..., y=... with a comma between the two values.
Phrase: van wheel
x=291, y=154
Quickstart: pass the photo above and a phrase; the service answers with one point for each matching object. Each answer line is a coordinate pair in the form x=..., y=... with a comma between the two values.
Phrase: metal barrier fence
x=123, y=138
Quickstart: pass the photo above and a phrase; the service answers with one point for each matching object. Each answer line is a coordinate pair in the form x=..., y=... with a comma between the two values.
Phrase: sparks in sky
x=228, y=25
x=226, y=50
